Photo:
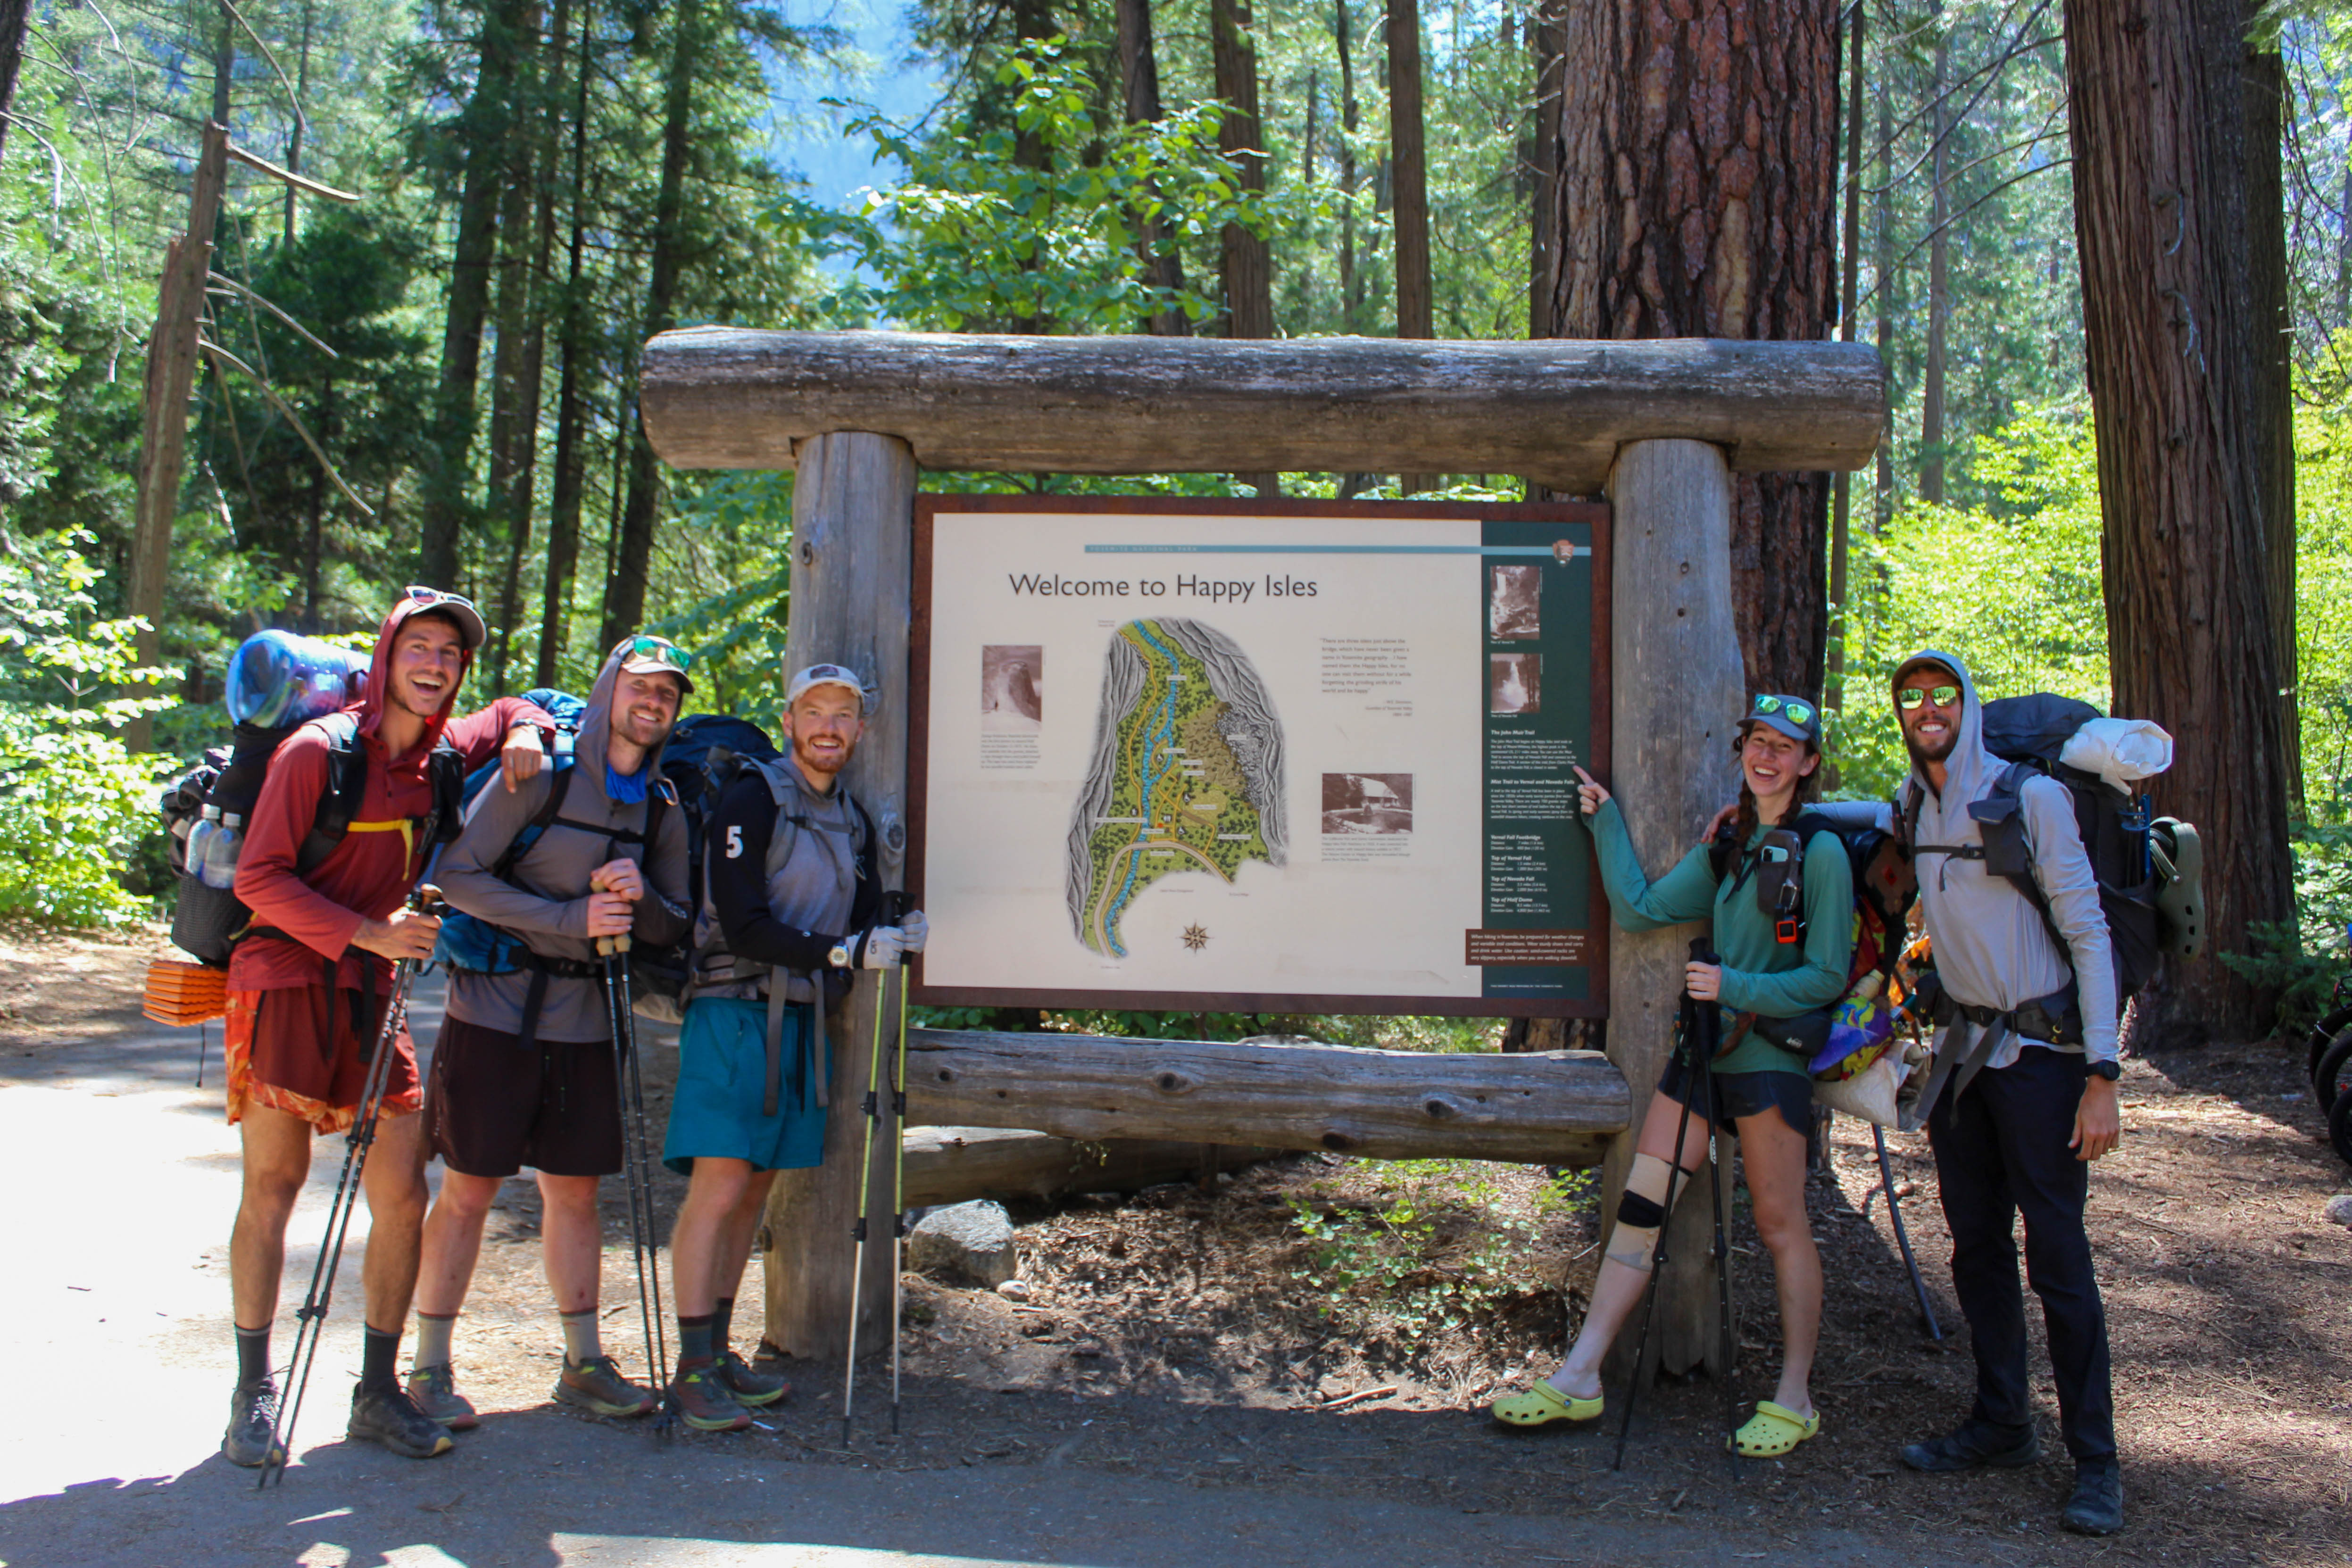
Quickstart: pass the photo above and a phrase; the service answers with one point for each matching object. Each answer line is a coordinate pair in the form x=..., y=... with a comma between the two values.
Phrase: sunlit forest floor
x=1339, y=1326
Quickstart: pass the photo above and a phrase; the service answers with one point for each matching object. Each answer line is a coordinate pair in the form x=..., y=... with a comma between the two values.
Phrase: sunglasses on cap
x=660, y=651
x=1910, y=697
x=435, y=596
x=1796, y=713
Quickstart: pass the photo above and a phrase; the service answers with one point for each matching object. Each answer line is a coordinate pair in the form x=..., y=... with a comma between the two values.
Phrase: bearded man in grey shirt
x=524, y=1070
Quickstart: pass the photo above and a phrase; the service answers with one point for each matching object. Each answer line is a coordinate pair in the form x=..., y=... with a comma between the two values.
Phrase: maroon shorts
x=304, y=1050
x=497, y=1107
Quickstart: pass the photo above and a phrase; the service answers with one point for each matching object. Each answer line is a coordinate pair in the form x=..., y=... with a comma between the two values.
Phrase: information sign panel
x=1258, y=756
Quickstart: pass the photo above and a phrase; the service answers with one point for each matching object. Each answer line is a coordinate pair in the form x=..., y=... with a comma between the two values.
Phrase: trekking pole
x=898, y=1185
x=1709, y=1035
x=629, y=1082
x=1903, y=1236
x=309, y=1323
x=1686, y=1042
x=872, y=1107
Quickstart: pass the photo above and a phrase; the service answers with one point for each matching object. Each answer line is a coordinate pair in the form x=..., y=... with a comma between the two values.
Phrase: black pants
x=2000, y=1150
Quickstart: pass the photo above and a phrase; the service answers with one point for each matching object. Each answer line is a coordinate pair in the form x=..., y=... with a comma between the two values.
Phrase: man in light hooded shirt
x=2025, y=1088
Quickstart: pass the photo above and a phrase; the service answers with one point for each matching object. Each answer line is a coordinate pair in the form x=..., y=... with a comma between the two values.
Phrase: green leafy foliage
x=1037, y=220
x=73, y=802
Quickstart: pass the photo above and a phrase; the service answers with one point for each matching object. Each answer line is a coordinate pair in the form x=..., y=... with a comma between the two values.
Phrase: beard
x=1923, y=752
x=821, y=765
x=644, y=733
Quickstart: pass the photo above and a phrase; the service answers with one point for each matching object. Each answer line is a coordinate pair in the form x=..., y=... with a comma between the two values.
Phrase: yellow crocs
x=1543, y=1404
x=1774, y=1430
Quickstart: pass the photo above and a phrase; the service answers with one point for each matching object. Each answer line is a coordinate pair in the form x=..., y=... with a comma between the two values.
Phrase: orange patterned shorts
x=300, y=1051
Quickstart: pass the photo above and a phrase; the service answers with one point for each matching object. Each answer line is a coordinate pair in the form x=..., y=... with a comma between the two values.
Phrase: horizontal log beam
x=1558, y=1107
x=1553, y=411
x=956, y=1164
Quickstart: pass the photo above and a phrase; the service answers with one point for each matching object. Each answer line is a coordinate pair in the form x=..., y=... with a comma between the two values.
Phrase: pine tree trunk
x=483, y=129
x=2274, y=323
x=1409, y=191
x=1138, y=70
x=16, y=18
x=1849, y=288
x=1547, y=43
x=1350, y=282
x=1881, y=290
x=1939, y=292
x=570, y=396
x=2163, y=206
x=1698, y=177
x=1247, y=259
x=625, y=590
x=514, y=408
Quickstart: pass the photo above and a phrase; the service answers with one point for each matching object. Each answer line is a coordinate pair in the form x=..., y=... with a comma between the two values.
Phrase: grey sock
x=433, y=1331
x=580, y=1337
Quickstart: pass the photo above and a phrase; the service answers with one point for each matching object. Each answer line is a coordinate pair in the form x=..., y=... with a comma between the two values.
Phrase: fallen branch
x=1382, y=1392
x=231, y=286
x=217, y=353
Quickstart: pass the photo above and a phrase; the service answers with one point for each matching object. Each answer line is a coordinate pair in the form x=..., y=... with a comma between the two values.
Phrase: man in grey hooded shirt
x=524, y=1073
x=2036, y=1022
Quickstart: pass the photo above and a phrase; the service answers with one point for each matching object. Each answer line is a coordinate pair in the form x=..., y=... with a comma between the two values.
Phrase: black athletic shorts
x=1738, y=1094
x=493, y=1107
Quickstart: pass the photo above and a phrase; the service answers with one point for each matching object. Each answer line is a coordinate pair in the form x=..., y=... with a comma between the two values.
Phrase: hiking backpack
x=474, y=944
x=2148, y=868
x=705, y=753
x=208, y=922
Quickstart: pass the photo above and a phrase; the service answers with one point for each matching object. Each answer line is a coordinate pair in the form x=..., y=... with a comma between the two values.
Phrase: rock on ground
x=969, y=1241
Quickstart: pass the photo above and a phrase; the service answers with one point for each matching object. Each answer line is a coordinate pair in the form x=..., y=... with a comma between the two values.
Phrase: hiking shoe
x=1974, y=1443
x=388, y=1415
x=2097, y=1505
x=747, y=1384
x=435, y=1390
x=252, y=1411
x=705, y=1402
x=597, y=1386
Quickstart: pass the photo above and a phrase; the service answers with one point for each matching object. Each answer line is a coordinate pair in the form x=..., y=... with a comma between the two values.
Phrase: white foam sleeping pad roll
x=2123, y=751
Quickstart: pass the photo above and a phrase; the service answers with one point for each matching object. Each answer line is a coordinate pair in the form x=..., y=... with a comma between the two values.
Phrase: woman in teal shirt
x=1763, y=1091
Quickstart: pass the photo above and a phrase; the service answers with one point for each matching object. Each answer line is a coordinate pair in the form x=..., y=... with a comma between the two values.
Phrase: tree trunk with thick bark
x=1409, y=192
x=1248, y=259
x=624, y=592
x=1548, y=43
x=1350, y=282
x=1138, y=70
x=1698, y=177
x=2173, y=326
x=2274, y=323
x=483, y=130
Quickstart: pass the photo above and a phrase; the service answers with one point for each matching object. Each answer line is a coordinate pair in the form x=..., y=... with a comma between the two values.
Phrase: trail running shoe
x=435, y=1389
x=2097, y=1506
x=706, y=1402
x=252, y=1411
x=747, y=1384
x=388, y=1415
x=597, y=1386
x=1974, y=1443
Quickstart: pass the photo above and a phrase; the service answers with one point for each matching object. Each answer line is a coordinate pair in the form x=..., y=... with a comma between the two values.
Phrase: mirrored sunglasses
x=1910, y=697
x=1796, y=713
x=661, y=651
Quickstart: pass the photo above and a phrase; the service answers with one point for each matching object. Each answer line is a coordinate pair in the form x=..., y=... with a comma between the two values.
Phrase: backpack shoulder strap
x=529, y=834
x=339, y=802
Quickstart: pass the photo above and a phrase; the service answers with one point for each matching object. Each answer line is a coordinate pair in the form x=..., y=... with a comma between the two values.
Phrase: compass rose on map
x=1196, y=937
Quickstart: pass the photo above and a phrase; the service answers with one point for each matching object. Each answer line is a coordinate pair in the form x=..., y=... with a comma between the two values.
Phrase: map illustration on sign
x=1186, y=776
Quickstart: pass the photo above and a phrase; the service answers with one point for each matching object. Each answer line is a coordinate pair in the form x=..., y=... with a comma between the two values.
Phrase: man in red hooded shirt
x=307, y=988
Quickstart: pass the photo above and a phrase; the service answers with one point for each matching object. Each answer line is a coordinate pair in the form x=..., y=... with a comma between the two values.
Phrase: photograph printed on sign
x=1368, y=802
x=1514, y=682
x=1012, y=677
x=1514, y=610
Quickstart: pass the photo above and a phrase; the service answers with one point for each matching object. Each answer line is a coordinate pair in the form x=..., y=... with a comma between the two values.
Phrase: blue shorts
x=722, y=1085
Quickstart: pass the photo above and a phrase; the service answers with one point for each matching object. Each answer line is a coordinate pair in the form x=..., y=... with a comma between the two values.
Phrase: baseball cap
x=649, y=655
x=1795, y=718
x=456, y=606
x=825, y=676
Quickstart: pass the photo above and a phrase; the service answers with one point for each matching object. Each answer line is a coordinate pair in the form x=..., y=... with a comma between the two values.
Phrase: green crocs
x=1773, y=1430
x=1544, y=1404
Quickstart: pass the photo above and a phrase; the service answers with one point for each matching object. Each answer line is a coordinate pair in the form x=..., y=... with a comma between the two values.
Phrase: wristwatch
x=839, y=957
x=2110, y=1070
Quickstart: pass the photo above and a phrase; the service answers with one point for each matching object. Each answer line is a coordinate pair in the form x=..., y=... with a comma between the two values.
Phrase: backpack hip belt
x=1976, y=1033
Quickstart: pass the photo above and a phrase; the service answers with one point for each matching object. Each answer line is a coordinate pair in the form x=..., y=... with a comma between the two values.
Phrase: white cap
x=825, y=676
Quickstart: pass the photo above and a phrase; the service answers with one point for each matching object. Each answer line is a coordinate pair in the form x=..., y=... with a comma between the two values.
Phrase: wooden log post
x=1676, y=695
x=1549, y=1108
x=852, y=568
x=956, y=1164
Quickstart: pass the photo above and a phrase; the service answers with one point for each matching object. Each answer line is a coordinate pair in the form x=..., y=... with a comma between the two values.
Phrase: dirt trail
x=1181, y=1339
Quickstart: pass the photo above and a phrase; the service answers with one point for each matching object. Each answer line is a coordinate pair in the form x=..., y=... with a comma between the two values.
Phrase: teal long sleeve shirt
x=1760, y=974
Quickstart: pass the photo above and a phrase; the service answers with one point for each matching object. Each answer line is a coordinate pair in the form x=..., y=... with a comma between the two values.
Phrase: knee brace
x=1641, y=1212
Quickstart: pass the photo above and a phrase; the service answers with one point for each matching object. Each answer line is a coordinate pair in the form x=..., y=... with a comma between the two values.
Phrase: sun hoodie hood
x=1969, y=770
x=596, y=721
x=374, y=698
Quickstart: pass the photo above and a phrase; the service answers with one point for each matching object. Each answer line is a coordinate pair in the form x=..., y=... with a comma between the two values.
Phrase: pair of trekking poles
x=1700, y=1037
x=310, y=1320
x=873, y=1105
